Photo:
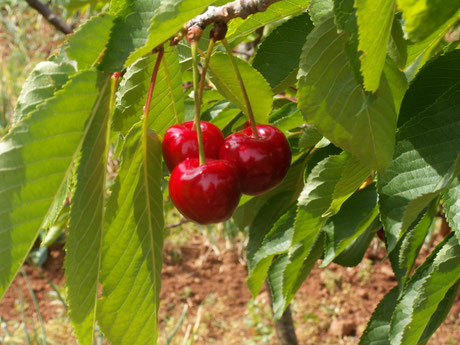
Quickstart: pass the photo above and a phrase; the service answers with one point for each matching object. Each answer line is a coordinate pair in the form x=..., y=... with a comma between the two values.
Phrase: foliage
x=373, y=128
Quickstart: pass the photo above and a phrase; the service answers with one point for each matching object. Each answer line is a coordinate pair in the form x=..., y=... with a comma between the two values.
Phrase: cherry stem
x=196, y=94
x=212, y=42
x=152, y=86
x=252, y=121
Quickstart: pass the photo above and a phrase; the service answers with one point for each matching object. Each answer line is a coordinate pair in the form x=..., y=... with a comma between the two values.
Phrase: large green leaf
x=376, y=332
x=452, y=206
x=425, y=290
x=83, y=243
x=281, y=9
x=167, y=21
x=45, y=79
x=167, y=105
x=88, y=43
x=354, y=218
x=278, y=55
x=259, y=92
x=129, y=32
x=425, y=162
x=73, y=5
x=431, y=82
x=132, y=245
x=332, y=100
x=35, y=158
x=422, y=17
x=374, y=28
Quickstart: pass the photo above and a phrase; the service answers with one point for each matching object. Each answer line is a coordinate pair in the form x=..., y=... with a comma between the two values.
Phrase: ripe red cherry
x=207, y=193
x=262, y=162
x=180, y=142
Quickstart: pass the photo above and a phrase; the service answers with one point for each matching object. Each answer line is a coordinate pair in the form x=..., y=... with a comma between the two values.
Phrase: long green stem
x=252, y=121
x=197, y=125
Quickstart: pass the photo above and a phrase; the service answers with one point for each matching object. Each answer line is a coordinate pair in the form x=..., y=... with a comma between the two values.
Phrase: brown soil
x=332, y=306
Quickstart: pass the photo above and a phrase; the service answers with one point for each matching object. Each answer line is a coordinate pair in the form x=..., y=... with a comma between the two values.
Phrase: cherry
x=207, y=193
x=180, y=142
x=262, y=161
x=381, y=234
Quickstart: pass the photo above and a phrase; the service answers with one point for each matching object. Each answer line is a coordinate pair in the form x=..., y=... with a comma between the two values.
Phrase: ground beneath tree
x=332, y=306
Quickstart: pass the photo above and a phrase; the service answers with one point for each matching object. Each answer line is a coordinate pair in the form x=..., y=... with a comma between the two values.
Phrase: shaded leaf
x=452, y=206
x=430, y=83
x=278, y=55
x=354, y=218
x=319, y=8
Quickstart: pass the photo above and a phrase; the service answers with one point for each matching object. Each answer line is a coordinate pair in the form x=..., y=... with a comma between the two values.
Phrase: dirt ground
x=332, y=306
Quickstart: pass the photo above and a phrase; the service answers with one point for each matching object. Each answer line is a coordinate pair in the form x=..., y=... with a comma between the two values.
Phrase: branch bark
x=50, y=16
x=234, y=9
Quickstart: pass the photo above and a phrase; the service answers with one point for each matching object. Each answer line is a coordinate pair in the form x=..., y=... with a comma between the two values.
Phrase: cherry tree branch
x=50, y=16
x=235, y=9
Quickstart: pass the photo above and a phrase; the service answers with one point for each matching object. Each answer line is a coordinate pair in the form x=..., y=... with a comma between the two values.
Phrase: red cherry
x=262, y=162
x=381, y=234
x=180, y=142
x=207, y=193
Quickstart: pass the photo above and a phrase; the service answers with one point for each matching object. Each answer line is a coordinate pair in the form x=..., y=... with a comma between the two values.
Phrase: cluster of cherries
x=245, y=162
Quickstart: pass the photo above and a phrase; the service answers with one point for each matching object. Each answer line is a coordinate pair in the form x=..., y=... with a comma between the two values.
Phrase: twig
x=231, y=10
x=175, y=225
x=50, y=16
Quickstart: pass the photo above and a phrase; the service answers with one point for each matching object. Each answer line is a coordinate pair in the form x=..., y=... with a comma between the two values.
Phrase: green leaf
x=420, y=52
x=425, y=291
x=374, y=28
x=397, y=44
x=431, y=82
x=376, y=332
x=88, y=43
x=45, y=79
x=354, y=253
x=129, y=32
x=413, y=241
x=319, y=8
x=167, y=21
x=425, y=162
x=286, y=118
x=277, y=241
x=452, y=206
x=73, y=5
x=329, y=184
x=83, y=243
x=422, y=18
x=397, y=81
x=354, y=218
x=279, y=10
x=132, y=245
x=332, y=100
x=441, y=313
x=167, y=106
x=35, y=158
x=278, y=55
x=259, y=92
x=289, y=271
